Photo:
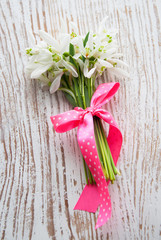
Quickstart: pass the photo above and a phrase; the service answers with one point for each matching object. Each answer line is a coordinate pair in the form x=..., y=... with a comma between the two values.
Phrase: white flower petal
x=86, y=65
x=120, y=62
x=70, y=68
x=90, y=73
x=105, y=63
x=81, y=64
x=56, y=83
x=77, y=55
x=108, y=53
x=64, y=44
x=39, y=70
x=48, y=39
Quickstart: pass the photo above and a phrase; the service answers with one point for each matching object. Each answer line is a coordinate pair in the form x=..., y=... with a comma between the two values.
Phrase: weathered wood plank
x=41, y=173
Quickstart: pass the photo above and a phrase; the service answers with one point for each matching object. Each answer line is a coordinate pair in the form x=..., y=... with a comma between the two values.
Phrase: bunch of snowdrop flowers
x=71, y=64
x=91, y=54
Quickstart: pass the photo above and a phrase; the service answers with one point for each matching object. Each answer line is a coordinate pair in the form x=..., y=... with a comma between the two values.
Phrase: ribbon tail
x=105, y=210
x=89, y=199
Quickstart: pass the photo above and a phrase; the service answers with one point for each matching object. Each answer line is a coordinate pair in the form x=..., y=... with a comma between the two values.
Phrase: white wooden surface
x=41, y=173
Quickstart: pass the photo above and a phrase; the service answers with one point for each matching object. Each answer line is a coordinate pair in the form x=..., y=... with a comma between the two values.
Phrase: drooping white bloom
x=91, y=54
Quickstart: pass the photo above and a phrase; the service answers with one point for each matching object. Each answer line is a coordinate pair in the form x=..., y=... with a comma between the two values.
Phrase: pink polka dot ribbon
x=93, y=195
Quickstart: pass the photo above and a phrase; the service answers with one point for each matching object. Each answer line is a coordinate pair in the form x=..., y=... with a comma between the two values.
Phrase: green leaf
x=71, y=49
x=71, y=53
x=69, y=93
x=73, y=61
x=83, y=58
x=85, y=39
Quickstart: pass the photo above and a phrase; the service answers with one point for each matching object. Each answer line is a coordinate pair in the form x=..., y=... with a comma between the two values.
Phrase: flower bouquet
x=72, y=64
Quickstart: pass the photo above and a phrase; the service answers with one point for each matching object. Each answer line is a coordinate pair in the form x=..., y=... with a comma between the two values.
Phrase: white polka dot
x=90, y=166
x=57, y=124
x=109, y=208
x=53, y=118
x=111, y=121
x=99, y=167
x=96, y=156
x=86, y=150
x=91, y=136
x=81, y=147
x=93, y=146
x=100, y=195
x=59, y=118
x=106, y=214
x=107, y=203
x=108, y=198
x=85, y=156
x=108, y=115
x=74, y=116
x=103, y=210
x=90, y=153
x=105, y=91
x=88, y=143
x=98, y=179
x=94, y=163
x=83, y=140
x=100, y=216
x=90, y=160
x=103, y=87
x=98, y=184
x=94, y=175
x=104, y=199
x=68, y=113
x=94, y=169
x=101, y=205
x=65, y=119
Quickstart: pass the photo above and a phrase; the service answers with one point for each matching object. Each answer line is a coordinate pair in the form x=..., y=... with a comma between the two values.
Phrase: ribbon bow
x=93, y=195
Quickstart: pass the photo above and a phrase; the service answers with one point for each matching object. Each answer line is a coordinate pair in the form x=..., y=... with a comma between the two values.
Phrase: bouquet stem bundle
x=79, y=92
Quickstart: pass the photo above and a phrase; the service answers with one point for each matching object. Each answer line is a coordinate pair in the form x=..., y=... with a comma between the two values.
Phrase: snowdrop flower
x=51, y=59
x=47, y=56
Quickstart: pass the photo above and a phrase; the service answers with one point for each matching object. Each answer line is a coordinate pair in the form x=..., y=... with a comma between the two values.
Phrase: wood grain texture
x=41, y=172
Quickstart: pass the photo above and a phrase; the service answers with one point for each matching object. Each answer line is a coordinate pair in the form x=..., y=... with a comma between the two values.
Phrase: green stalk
x=110, y=170
x=99, y=150
x=83, y=89
x=76, y=88
x=109, y=152
x=90, y=176
x=83, y=95
x=85, y=170
x=101, y=145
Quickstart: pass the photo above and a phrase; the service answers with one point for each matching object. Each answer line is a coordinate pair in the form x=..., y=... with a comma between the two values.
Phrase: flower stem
x=85, y=170
x=82, y=90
